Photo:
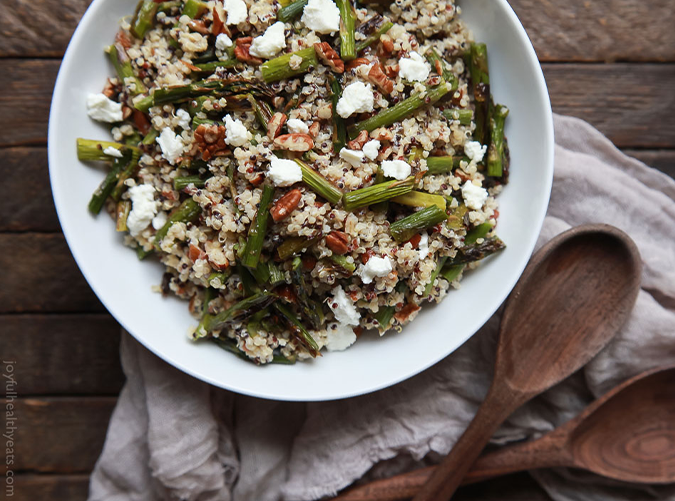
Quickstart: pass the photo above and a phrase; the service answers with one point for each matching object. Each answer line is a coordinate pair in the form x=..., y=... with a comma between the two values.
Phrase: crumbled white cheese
x=414, y=68
x=357, y=97
x=297, y=126
x=375, y=267
x=475, y=151
x=474, y=196
x=343, y=307
x=159, y=220
x=237, y=12
x=223, y=42
x=371, y=149
x=113, y=152
x=235, y=132
x=339, y=337
x=271, y=42
x=398, y=169
x=284, y=172
x=143, y=208
x=184, y=119
x=321, y=16
x=423, y=246
x=352, y=157
x=172, y=145
x=100, y=108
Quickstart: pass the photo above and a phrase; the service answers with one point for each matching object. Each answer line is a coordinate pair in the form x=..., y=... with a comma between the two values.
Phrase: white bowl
x=123, y=284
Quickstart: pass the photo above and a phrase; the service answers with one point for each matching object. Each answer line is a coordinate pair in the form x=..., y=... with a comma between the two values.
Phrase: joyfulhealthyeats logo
x=8, y=433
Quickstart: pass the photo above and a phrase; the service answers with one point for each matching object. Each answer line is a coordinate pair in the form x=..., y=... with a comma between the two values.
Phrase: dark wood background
x=610, y=62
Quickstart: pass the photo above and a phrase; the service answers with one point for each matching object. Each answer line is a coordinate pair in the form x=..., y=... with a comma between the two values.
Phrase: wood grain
x=59, y=434
x=606, y=30
x=31, y=487
x=39, y=274
x=663, y=160
x=62, y=354
x=576, y=30
x=632, y=104
x=26, y=202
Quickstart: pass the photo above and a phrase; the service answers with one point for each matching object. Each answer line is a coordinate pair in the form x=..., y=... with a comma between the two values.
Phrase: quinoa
x=208, y=149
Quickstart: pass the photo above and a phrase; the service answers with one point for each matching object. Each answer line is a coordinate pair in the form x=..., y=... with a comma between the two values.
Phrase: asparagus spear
x=478, y=252
x=377, y=193
x=384, y=316
x=374, y=37
x=121, y=215
x=193, y=8
x=420, y=199
x=339, y=131
x=291, y=11
x=479, y=231
x=90, y=150
x=405, y=228
x=480, y=82
x=144, y=18
x=456, y=217
x=188, y=211
x=181, y=182
x=382, y=206
x=106, y=187
x=451, y=272
x=294, y=245
x=310, y=308
x=437, y=63
x=122, y=65
x=401, y=110
x=495, y=154
x=280, y=68
x=465, y=116
x=305, y=337
x=141, y=253
x=434, y=275
x=263, y=111
x=256, y=233
x=209, y=294
x=443, y=165
x=126, y=173
x=211, y=67
x=217, y=279
x=277, y=275
x=347, y=30
x=343, y=263
x=241, y=309
x=318, y=183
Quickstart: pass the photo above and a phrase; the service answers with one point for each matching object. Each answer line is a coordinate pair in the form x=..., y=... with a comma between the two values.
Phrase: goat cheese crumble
x=398, y=169
x=112, y=152
x=284, y=172
x=321, y=16
x=184, y=119
x=297, y=126
x=414, y=68
x=100, y=108
x=357, y=97
x=159, y=220
x=270, y=42
x=352, y=157
x=223, y=42
x=474, y=196
x=236, y=133
x=343, y=307
x=371, y=149
x=143, y=208
x=339, y=337
x=172, y=145
x=376, y=267
x=423, y=246
x=237, y=12
x=475, y=151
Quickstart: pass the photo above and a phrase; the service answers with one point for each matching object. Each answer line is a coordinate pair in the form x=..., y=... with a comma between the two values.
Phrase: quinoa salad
x=304, y=171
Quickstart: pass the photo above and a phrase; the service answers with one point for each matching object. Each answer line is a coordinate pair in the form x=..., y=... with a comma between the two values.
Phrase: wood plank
x=600, y=30
x=25, y=99
x=29, y=487
x=39, y=274
x=576, y=30
x=58, y=434
x=63, y=354
x=633, y=104
x=26, y=201
x=663, y=160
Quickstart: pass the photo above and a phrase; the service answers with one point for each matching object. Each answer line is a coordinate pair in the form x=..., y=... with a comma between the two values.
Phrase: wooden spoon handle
x=498, y=405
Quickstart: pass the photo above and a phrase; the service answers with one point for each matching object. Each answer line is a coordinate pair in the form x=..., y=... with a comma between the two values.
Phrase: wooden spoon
x=571, y=300
x=627, y=434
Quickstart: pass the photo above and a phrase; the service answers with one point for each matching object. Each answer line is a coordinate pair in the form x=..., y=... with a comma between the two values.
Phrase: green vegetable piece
x=318, y=183
x=464, y=116
x=420, y=199
x=182, y=182
x=403, y=229
x=291, y=11
x=256, y=233
x=347, y=30
x=479, y=231
x=188, y=211
x=384, y=316
x=144, y=18
x=374, y=37
x=377, y=193
x=496, y=161
x=451, y=272
x=303, y=334
x=279, y=68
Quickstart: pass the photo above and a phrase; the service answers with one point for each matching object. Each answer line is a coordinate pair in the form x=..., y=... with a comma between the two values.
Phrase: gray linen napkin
x=174, y=437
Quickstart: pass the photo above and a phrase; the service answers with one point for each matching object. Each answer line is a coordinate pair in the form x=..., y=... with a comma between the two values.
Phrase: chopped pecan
x=308, y=261
x=294, y=142
x=392, y=71
x=438, y=67
x=141, y=121
x=355, y=63
x=382, y=134
x=329, y=57
x=218, y=25
x=111, y=90
x=210, y=139
x=122, y=39
x=199, y=27
x=195, y=253
x=338, y=242
x=126, y=111
x=258, y=179
x=189, y=66
x=314, y=129
x=433, y=81
x=277, y=102
x=285, y=205
x=275, y=124
x=359, y=141
x=366, y=256
x=241, y=51
x=218, y=266
x=415, y=240
x=387, y=45
x=377, y=77
x=385, y=153
x=287, y=292
x=405, y=313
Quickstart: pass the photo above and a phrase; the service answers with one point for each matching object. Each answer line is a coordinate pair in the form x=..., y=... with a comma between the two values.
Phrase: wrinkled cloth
x=174, y=437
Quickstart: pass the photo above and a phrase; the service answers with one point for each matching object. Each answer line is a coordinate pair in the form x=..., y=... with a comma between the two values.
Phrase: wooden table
x=610, y=62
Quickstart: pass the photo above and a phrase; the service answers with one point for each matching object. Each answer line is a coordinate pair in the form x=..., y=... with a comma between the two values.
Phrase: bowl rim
x=70, y=236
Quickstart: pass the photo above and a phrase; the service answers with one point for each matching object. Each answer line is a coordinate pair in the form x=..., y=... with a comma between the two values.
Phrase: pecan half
x=392, y=71
x=210, y=139
x=382, y=134
x=387, y=45
x=377, y=77
x=438, y=67
x=285, y=205
x=338, y=242
x=242, y=51
x=329, y=57
x=359, y=141
x=275, y=124
x=314, y=129
x=405, y=313
x=355, y=63
x=294, y=142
